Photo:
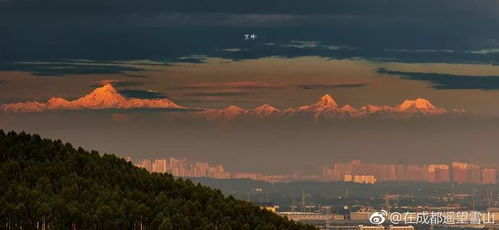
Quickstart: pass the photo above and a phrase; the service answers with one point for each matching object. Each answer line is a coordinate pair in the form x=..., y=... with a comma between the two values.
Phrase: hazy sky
x=359, y=51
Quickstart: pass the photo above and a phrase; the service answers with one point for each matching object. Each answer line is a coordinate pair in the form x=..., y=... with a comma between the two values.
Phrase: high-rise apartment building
x=460, y=172
x=146, y=164
x=160, y=165
x=438, y=173
x=489, y=176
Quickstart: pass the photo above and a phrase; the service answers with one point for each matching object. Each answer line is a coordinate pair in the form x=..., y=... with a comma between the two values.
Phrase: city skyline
x=353, y=171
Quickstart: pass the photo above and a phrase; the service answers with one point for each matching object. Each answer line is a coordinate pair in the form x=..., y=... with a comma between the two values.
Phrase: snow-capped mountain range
x=326, y=107
x=106, y=97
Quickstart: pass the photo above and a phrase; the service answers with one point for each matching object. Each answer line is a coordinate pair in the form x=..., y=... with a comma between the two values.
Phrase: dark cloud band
x=448, y=81
x=61, y=69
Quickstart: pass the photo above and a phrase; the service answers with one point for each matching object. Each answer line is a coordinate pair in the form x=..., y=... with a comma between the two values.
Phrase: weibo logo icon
x=378, y=217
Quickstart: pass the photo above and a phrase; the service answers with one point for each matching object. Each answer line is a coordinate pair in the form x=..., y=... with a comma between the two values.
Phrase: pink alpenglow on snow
x=104, y=97
x=327, y=108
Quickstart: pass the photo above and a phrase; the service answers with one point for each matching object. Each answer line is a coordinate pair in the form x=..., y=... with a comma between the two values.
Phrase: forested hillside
x=47, y=184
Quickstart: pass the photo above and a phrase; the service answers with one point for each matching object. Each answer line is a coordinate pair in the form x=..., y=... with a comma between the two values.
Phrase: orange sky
x=301, y=145
x=268, y=80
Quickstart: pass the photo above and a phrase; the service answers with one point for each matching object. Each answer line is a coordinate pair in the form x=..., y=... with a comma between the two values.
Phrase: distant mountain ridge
x=327, y=108
x=106, y=97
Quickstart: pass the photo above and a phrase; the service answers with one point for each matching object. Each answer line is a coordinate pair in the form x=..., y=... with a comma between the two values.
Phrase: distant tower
x=302, y=204
x=489, y=199
x=293, y=205
x=472, y=198
x=387, y=202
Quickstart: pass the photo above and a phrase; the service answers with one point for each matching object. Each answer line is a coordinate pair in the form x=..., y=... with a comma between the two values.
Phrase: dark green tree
x=47, y=184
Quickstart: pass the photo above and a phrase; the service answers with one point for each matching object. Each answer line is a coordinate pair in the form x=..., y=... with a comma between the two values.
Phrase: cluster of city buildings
x=181, y=167
x=360, y=172
x=353, y=171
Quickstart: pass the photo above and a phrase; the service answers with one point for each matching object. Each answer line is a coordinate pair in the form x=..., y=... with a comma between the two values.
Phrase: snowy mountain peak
x=419, y=103
x=327, y=101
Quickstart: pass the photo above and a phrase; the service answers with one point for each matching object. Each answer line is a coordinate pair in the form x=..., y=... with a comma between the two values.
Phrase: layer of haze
x=271, y=147
x=268, y=146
